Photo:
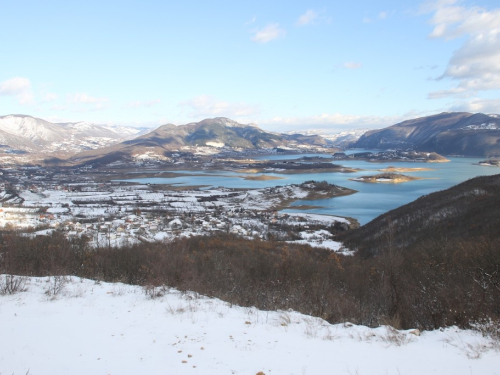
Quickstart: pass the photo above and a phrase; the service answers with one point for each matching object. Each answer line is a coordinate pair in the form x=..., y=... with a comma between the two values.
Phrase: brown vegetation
x=440, y=285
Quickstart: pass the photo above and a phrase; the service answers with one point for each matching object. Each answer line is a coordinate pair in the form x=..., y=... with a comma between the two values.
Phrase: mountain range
x=21, y=134
x=448, y=133
x=208, y=136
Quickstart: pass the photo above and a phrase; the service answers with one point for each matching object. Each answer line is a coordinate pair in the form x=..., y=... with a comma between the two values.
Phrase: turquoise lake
x=370, y=201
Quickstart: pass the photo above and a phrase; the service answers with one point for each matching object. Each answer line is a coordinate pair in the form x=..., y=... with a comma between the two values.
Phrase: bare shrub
x=10, y=284
x=313, y=327
x=153, y=291
x=471, y=350
x=394, y=337
x=490, y=329
x=284, y=319
x=393, y=321
x=436, y=284
x=118, y=290
x=174, y=310
x=56, y=284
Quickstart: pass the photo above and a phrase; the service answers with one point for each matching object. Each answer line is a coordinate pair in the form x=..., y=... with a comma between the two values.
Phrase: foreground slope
x=465, y=212
x=85, y=327
x=448, y=133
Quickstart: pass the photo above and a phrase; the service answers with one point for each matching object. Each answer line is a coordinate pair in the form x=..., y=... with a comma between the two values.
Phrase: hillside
x=448, y=133
x=220, y=132
x=85, y=327
x=21, y=134
x=207, y=137
x=465, y=212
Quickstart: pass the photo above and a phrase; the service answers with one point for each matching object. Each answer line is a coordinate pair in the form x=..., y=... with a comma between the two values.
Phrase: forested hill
x=466, y=212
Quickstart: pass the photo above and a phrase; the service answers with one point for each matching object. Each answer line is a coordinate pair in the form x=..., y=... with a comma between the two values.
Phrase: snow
x=54, y=210
x=29, y=133
x=103, y=328
x=325, y=219
x=248, y=213
x=28, y=127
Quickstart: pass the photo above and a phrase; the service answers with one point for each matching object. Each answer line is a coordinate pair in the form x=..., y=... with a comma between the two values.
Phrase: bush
x=10, y=284
x=439, y=284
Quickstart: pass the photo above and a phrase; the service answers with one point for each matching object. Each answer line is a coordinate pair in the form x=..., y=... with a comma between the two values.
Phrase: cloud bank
x=18, y=87
x=475, y=66
x=205, y=106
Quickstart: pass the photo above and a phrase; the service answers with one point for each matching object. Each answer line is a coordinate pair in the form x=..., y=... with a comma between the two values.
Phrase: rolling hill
x=207, y=136
x=448, y=133
x=465, y=212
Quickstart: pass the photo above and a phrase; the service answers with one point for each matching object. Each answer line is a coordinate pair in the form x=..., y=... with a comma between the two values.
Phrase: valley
x=271, y=227
x=116, y=213
x=250, y=188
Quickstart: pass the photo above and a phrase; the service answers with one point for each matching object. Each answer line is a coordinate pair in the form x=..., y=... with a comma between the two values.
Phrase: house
x=175, y=224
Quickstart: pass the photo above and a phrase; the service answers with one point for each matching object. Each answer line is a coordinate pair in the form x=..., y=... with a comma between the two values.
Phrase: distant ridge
x=448, y=133
x=23, y=134
x=218, y=133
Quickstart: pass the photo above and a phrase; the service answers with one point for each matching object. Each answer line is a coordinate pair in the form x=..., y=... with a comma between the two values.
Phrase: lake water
x=371, y=200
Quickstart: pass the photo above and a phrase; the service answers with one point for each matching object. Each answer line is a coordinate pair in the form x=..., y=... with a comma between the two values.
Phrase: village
x=39, y=201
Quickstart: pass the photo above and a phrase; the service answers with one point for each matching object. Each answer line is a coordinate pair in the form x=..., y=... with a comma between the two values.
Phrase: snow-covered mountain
x=196, y=137
x=341, y=139
x=447, y=133
x=27, y=134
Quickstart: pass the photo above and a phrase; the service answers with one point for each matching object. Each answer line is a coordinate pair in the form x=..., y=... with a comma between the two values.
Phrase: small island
x=392, y=178
x=489, y=163
x=392, y=169
x=292, y=167
x=262, y=177
x=393, y=156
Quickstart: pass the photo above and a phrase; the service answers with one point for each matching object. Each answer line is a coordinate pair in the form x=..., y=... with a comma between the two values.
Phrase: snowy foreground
x=76, y=326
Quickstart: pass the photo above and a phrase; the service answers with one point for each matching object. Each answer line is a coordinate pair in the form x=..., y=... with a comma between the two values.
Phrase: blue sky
x=283, y=65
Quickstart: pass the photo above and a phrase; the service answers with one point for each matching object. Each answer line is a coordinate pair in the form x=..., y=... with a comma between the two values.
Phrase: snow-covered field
x=77, y=326
x=122, y=215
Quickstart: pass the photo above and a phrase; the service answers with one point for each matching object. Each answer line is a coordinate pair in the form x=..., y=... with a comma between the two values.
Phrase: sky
x=284, y=65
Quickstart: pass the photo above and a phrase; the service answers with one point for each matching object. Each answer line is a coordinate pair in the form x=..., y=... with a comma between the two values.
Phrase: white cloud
x=478, y=105
x=456, y=91
x=336, y=120
x=380, y=16
x=59, y=107
x=19, y=87
x=49, y=97
x=15, y=86
x=143, y=103
x=307, y=18
x=83, y=98
x=270, y=32
x=476, y=64
x=207, y=106
x=251, y=21
x=352, y=65
x=26, y=98
x=82, y=102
